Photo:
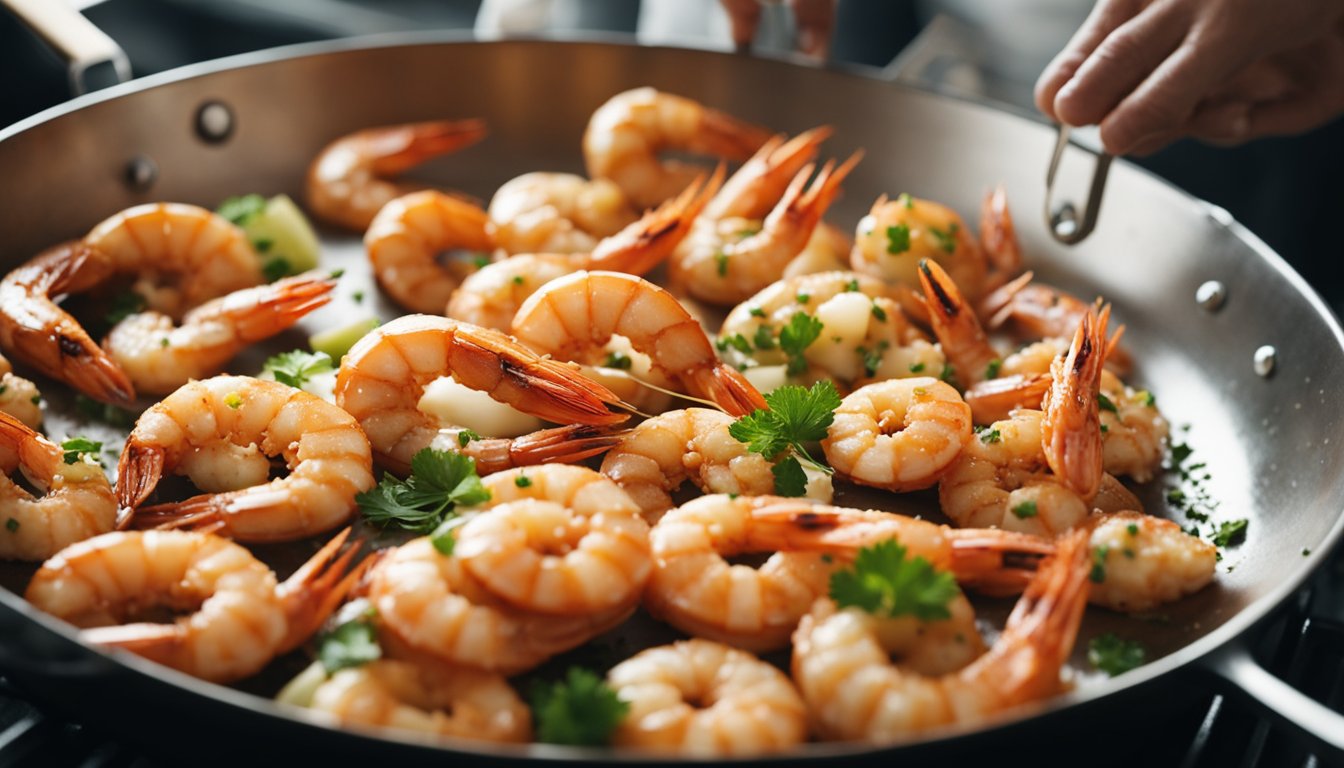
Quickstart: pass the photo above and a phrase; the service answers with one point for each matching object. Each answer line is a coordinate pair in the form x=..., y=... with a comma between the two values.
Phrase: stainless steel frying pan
x=1255, y=374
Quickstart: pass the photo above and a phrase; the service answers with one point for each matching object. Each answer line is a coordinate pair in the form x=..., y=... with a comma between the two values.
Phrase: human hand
x=814, y=19
x=1225, y=71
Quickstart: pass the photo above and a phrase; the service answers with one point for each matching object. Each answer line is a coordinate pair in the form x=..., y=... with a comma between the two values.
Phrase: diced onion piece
x=767, y=378
x=464, y=407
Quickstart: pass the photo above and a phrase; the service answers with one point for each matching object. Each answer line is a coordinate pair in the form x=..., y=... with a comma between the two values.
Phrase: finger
x=1225, y=123
x=1290, y=116
x=1104, y=18
x=815, y=19
x=1118, y=65
x=743, y=16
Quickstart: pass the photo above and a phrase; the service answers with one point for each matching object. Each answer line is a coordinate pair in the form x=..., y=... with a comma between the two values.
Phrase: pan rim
x=1234, y=627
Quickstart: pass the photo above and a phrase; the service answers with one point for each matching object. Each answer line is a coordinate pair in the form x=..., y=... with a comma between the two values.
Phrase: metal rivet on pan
x=214, y=121
x=1065, y=220
x=141, y=173
x=1264, y=360
x=1210, y=295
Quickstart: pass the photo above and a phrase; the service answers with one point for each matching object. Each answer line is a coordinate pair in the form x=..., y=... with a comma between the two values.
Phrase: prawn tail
x=138, y=474
x=648, y=242
x=998, y=236
x=313, y=592
x=955, y=324
x=399, y=148
x=93, y=373
x=996, y=308
x=727, y=387
x=203, y=513
x=995, y=399
x=728, y=137
x=14, y=433
x=1071, y=432
x=157, y=642
x=559, y=445
x=270, y=309
x=994, y=561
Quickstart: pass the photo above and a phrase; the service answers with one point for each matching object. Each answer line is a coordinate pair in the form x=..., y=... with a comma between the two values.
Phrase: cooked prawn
x=1071, y=428
x=1146, y=561
x=755, y=188
x=723, y=263
x=1134, y=431
x=383, y=377
x=425, y=697
x=970, y=356
x=19, y=396
x=38, y=332
x=222, y=433
x=657, y=457
x=76, y=500
x=238, y=617
x=900, y=434
x=572, y=317
x=898, y=234
x=406, y=237
x=626, y=134
x=490, y=297
x=557, y=540
x=697, y=697
x=349, y=180
x=557, y=213
x=843, y=666
x=1034, y=310
x=160, y=355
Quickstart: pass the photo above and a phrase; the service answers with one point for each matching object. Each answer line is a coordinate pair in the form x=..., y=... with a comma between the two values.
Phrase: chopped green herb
x=883, y=581
x=163, y=342
x=756, y=312
x=239, y=209
x=872, y=358
x=1106, y=404
x=879, y=313
x=764, y=337
x=1305, y=551
x=949, y=374
x=11, y=525
x=337, y=274
x=263, y=244
x=993, y=368
x=1231, y=532
x=916, y=367
x=736, y=341
x=1114, y=656
x=440, y=481
x=480, y=261
x=297, y=367
x=1132, y=529
x=3, y=389
x=351, y=644
x=95, y=411
x=1147, y=398
x=274, y=269
x=444, y=537
x=721, y=263
x=802, y=330
x=76, y=447
x=1025, y=509
x=1179, y=453
x=905, y=199
x=803, y=298
x=990, y=436
x=946, y=240
x=124, y=304
x=852, y=286
x=233, y=400
x=35, y=399
x=466, y=436
x=518, y=280
x=790, y=479
x=581, y=710
x=1105, y=429
x=618, y=360
x=898, y=239
x=1098, y=573
x=358, y=297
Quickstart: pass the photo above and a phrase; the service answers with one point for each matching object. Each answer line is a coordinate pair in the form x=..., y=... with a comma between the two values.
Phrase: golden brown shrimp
x=696, y=697
x=1033, y=310
x=625, y=136
x=239, y=617
x=19, y=396
x=865, y=336
x=723, y=263
x=696, y=589
x=662, y=453
x=755, y=188
x=900, y=435
x=557, y=540
x=1134, y=432
x=897, y=235
x=222, y=433
x=38, y=332
x=971, y=357
x=1071, y=428
x=383, y=377
x=843, y=666
x=349, y=180
x=574, y=316
x=826, y=251
x=407, y=236
x=75, y=500
x=490, y=297
x=994, y=400
x=425, y=697
x=160, y=355
x=557, y=213
x=428, y=605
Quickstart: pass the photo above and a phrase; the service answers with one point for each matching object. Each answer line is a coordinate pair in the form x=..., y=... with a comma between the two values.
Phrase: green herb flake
x=164, y=342
x=917, y=367
x=852, y=286
x=11, y=525
x=990, y=436
x=1306, y=551
x=480, y=261
x=1231, y=532
x=883, y=581
x=898, y=239
x=756, y=312
x=444, y=537
x=1105, y=403
x=993, y=368
x=297, y=367
x=1025, y=509
x=764, y=337
x=905, y=199
x=872, y=358
x=721, y=263
x=274, y=269
x=439, y=483
x=96, y=411
x=949, y=374
x=239, y=209
x=35, y=399
x=466, y=436
x=351, y=644
x=618, y=360
x=920, y=391
x=518, y=280
x=263, y=244
x=736, y=341
x=357, y=297
x=522, y=481
x=1115, y=656
x=803, y=298
x=76, y=447
x=879, y=313
x=1132, y=529
x=124, y=304
x=581, y=710
x=1147, y=398
x=947, y=240
x=1098, y=573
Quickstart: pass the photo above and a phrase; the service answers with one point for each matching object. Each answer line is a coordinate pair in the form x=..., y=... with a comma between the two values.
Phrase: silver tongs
x=1063, y=221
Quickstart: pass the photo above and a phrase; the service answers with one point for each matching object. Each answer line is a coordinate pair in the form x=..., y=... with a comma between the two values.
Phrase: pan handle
x=1063, y=222
x=93, y=60
x=1304, y=718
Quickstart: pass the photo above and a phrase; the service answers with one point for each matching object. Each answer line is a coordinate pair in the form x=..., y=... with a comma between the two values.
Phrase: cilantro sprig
x=795, y=337
x=77, y=447
x=884, y=581
x=297, y=367
x=440, y=482
x=795, y=416
x=351, y=644
x=580, y=710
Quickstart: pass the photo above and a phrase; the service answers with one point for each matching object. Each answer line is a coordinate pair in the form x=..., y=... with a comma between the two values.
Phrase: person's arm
x=1225, y=71
x=815, y=20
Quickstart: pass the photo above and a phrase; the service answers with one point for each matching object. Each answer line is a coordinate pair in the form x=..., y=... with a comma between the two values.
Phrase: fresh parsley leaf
x=795, y=416
x=761, y=431
x=239, y=209
x=1114, y=656
x=124, y=304
x=444, y=537
x=618, y=360
x=764, y=338
x=898, y=239
x=802, y=330
x=581, y=710
x=990, y=436
x=790, y=479
x=76, y=447
x=1105, y=403
x=852, y=286
x=1230, y=532
x=1025, y=509
x=351, y=644
x=883, y=581
x=440, y=481
x=295, y=368
x=465, y=436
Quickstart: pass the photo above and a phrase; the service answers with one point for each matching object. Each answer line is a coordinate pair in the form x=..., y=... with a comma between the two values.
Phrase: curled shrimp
x=240, y=617
x=557, y=213
x=697, y=590
x=843, y=667
x=428, y=605
x=455, y=701
x=574, y=316
x=383, y=377
x=349, y=180
x=901, y=434
x=38, y=332
x=657, y=457
x=723, y=263
x=865, y=336
x=490, y=297
x=897, y=235
x=221, y=433
x=160, y=355
x=1145, y=561
x=76, y=500
x=19, y=396
x=1034, y=310
x=1134, y=431
x=970, y=356
x=557, y=540
x=407, y=235
x=698, y=697
x=626, y=135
